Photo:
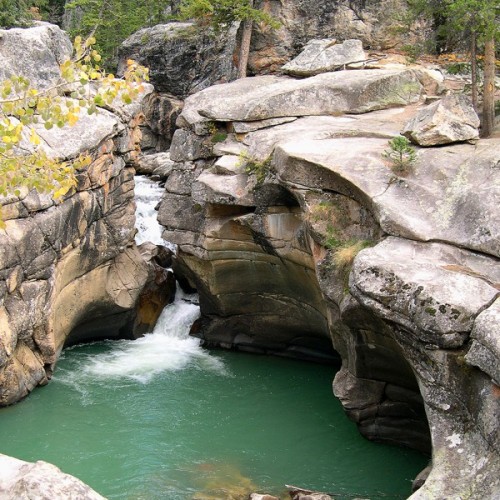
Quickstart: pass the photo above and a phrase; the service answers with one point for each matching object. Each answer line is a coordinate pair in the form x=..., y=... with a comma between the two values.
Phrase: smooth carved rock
x=432, y=290
x=485, y=349
x=40, y=480
x=66, y=263
x=270, y=279
x=262, y=98
x=321, y=56
x=451, y=119
x=450, y=197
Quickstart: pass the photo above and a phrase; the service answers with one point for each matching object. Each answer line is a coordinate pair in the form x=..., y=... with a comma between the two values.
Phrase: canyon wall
x=66, y=265
x=304, y=240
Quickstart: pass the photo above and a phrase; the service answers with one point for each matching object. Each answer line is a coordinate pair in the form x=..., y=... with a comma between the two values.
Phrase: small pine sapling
x=401, y=154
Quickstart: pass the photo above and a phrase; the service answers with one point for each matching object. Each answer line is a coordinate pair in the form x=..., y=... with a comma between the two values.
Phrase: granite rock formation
x=40, y=480
x=35, y=53
x=448, y=120
x=321, y=56
x=66, y=264
x=302, y=241
x=184, y=58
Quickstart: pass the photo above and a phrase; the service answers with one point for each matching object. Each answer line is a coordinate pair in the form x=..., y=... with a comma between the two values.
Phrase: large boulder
x=266, y=97
x=21, y=480
x=451, y=119
x=36, y=53
x=322, y=56
x=181, y=57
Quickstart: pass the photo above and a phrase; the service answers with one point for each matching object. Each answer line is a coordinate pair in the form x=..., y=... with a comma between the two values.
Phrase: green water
x=189, y=424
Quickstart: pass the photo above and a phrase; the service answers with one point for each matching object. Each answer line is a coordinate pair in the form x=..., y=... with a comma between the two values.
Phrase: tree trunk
x=473, y=66
x=246, y=37
x=488, y=122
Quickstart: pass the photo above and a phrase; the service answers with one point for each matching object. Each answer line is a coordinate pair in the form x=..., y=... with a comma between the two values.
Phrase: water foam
x=168, y=348
x=147, y=195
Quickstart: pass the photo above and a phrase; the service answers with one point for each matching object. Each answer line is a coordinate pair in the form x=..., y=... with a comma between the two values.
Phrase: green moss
x=253, y=166
x=431, y=311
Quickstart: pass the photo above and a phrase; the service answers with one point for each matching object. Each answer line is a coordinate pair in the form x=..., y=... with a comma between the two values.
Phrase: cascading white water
x=169, y=347
x=147, y=195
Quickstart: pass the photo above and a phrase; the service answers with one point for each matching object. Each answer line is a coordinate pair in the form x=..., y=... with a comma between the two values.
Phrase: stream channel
x=162, y=418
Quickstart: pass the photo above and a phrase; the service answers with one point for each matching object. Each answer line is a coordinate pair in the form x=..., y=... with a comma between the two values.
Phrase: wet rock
x=259, y=496
x=419, y=481
x=322, y=56
x=451, y=119
x=303, y=494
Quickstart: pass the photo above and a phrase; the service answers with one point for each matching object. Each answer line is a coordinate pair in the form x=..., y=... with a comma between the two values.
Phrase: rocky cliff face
x=184, y=59
x=66, y=265
x=301, y=236
x=374, y=22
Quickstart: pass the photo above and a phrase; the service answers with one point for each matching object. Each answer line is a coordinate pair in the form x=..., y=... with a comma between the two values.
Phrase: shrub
x=259, y=168
x=401, y=153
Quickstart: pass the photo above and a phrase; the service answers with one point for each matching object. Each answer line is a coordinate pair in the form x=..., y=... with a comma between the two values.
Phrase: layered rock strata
x=300, y=237
x=66, y=265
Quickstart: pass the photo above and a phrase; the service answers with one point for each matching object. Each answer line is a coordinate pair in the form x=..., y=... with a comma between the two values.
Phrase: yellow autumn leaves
x=83, y=86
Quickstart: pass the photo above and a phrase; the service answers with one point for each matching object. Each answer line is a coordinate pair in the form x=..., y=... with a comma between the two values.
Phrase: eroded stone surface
x=40, y=480
x=432, y=290
x=69, y=262
x=283, y=241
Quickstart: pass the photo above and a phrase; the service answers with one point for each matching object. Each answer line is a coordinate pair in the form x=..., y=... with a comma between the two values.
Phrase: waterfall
x=168, y=348
x=147, y=195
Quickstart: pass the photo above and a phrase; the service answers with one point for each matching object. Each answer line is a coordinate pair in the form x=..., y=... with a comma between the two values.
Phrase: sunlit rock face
x=71, y=262
x=301, y=236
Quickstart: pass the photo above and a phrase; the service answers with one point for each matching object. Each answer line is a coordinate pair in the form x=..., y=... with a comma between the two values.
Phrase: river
x=162, y=418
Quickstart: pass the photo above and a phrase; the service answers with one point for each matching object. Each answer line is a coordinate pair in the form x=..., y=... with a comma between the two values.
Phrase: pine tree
x=477, y=20
x=112, y=21
x=19, y=13
x=220, y=14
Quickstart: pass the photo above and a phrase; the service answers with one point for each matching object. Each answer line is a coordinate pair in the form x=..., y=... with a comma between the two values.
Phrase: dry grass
x=344, y=255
